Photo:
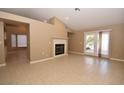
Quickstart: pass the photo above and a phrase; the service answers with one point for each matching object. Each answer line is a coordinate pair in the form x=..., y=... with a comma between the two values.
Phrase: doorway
x=16, y=42
x=96, y=43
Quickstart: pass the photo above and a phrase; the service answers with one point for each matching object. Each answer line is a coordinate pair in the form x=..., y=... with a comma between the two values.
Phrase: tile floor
x=67, y=70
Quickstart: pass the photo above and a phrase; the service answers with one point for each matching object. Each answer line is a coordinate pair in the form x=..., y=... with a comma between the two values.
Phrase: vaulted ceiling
x=76, y=20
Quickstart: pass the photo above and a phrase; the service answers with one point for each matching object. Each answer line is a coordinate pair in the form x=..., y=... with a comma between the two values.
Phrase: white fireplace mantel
x=60, y=41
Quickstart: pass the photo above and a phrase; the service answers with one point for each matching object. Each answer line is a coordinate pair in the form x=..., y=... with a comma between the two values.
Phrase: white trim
x=46, y=59
x=60, y=41
x=116, y=59
x=73, y=52
x=37, y=61
x=1, y=65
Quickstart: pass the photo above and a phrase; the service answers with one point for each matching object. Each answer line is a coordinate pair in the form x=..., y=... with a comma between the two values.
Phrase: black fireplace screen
x=59, y=49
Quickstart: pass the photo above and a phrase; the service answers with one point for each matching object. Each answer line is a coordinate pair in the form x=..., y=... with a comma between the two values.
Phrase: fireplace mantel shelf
x=60, y=38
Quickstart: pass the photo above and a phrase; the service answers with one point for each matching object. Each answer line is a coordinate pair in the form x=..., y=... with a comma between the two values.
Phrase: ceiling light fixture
x=77, y=9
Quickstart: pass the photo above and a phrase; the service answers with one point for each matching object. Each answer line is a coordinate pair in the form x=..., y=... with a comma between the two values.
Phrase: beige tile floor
x=71, y=69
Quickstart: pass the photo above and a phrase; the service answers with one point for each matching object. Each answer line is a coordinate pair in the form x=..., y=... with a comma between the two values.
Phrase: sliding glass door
x=90, y=47
x=97, y=43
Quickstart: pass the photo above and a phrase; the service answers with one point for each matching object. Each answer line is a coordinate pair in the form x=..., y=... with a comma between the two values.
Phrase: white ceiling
x=77, y=20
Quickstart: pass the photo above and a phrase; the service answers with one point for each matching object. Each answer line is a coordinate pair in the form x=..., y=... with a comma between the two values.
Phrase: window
x=21, y=40
x=18, y=40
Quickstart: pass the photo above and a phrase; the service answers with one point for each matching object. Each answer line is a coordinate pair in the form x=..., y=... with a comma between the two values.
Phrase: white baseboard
x=1, y=65
x=73, y=52
x=46, y=59
x=37, y=61
x=116, y=59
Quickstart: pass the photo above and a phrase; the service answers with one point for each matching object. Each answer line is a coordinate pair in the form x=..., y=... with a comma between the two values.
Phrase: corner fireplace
x=59, y=47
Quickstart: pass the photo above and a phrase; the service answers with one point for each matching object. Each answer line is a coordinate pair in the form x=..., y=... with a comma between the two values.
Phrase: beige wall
x=60, y=30
x=2, y=53
x=41, y=35
x=75, y=41
x=116, y=42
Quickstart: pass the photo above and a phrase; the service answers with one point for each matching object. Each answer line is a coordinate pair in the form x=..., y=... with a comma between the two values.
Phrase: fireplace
x=59, y=49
